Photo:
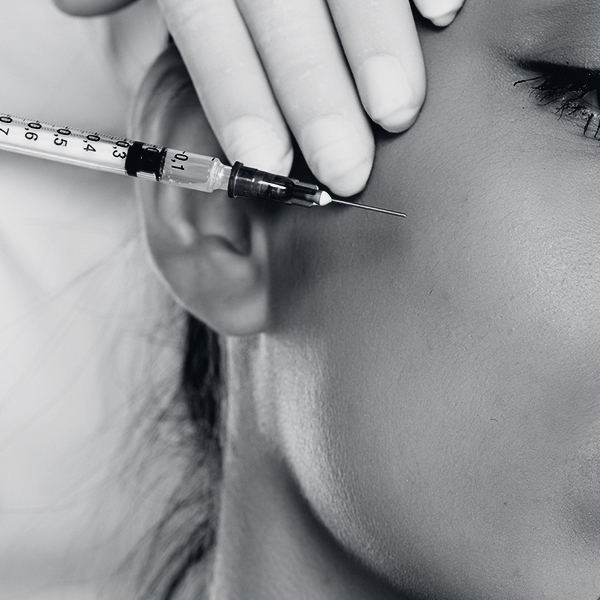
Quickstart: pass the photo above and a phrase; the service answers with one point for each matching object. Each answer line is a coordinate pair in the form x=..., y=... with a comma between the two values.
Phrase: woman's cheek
x=457, y=412
x=453, y=427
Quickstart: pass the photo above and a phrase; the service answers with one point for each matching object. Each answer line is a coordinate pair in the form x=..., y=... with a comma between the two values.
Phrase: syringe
x=177, y=167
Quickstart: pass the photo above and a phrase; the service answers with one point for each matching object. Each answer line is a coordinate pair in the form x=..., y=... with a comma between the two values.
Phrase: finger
x=439, y=12
x=382, y=46
x=307, y=69
x=91, y=8
x=230, y=81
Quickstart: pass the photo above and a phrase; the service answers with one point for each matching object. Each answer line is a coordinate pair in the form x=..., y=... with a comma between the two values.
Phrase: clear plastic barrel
x=107, y=153
x=63, y=144
x=194, y=171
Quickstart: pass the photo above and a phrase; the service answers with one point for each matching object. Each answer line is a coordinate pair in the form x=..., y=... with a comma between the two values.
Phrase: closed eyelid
x=555, y=75
x=571, y=92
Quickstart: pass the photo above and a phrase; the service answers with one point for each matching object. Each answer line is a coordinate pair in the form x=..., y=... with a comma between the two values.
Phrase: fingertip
x=79, y=8
x=445, y=19
x=351, y=180
x=338, y=154
x=440, y=12
x=254, y=142
x=391, y=98
x=399, y=120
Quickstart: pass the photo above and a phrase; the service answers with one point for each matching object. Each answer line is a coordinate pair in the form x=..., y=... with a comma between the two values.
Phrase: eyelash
x=565, y=88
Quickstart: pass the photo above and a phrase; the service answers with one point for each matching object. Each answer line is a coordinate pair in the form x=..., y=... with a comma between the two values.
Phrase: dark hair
x=181, y=543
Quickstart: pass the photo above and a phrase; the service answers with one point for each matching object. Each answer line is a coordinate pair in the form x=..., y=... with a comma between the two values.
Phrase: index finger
x=230, y=81
x=299, y=48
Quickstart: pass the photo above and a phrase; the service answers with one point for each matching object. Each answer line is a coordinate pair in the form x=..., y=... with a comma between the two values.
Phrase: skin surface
x=423, y=398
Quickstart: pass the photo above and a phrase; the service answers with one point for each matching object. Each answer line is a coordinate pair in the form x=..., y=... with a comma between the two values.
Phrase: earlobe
x=209, y=249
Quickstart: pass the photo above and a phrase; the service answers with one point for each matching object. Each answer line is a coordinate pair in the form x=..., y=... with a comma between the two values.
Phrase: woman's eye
x=572, y=92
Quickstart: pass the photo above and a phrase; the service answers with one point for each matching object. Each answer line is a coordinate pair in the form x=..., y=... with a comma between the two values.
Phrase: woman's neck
x=270, y=544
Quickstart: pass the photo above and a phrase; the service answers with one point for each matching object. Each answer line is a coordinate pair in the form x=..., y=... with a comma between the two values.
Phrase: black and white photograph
x=300, y=300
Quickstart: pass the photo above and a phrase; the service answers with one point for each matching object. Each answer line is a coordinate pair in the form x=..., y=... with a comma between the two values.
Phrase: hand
x=316, y=66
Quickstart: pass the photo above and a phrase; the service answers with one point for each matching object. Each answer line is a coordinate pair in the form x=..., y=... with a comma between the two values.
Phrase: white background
x=72, y=289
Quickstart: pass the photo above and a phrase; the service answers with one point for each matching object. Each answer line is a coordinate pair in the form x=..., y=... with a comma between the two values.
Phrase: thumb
x=91, y=8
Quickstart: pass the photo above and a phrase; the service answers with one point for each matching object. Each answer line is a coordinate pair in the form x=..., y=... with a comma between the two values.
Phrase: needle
x=367, y=207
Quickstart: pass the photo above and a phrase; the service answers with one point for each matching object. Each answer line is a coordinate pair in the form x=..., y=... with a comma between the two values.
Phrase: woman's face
x=439, y=376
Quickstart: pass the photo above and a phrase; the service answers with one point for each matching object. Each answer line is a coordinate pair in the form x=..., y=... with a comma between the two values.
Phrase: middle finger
x=309, y=75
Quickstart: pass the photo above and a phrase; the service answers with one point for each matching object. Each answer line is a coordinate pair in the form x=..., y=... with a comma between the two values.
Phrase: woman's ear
x=209, y=249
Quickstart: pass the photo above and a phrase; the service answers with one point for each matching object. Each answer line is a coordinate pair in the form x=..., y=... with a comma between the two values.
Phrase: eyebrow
x=556, y=30
x=579, y=6
x=562, y=12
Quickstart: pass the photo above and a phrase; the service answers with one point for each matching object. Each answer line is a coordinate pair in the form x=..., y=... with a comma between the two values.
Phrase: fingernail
x=444, y=19
x=440, y=12
x=337, y=154
x=253, y=141
x=387, y=93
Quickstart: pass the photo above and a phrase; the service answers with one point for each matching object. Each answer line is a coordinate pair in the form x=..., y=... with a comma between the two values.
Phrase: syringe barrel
x=114, y=155
x=63, y=144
